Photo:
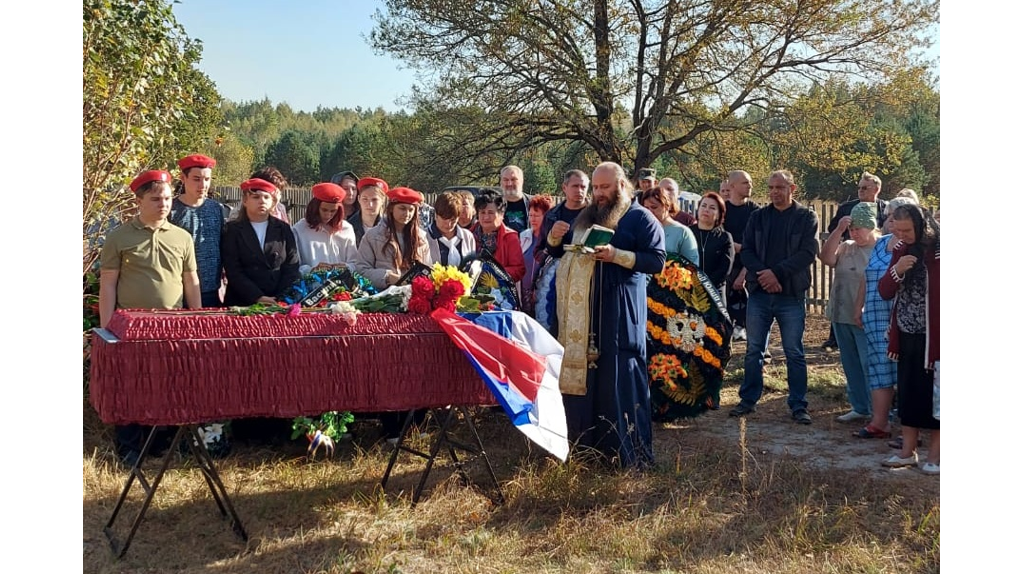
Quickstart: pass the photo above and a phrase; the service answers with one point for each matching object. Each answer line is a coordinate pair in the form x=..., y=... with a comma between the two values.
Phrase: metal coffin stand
x=446, y=417
x=190, y=434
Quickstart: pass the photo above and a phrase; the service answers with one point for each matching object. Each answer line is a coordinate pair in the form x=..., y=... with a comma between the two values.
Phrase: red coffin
x=182, y=367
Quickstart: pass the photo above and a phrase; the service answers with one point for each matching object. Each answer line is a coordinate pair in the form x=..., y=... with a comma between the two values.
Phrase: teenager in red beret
x=323, y=237
x=388, y=250
x=274, y=176
x=146, y=263
x=203, y=218
x=371, y=198
x=258, y=250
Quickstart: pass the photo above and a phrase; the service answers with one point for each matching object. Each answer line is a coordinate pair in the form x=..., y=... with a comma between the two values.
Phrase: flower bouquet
x=442, y=289
x=324, y=431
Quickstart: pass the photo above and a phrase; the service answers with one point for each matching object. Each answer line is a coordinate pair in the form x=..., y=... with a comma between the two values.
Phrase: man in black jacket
x=779, y=246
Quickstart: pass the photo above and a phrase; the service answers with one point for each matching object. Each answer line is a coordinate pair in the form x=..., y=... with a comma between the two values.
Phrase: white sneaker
x=930, y=468
x=740, y=334
x=852, y=416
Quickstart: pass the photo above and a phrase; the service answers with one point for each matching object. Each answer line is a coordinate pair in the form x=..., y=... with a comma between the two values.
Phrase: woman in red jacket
x=913, y=281
x=491, y=234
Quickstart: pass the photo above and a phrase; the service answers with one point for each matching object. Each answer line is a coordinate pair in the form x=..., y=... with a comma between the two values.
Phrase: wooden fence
x=296, y=198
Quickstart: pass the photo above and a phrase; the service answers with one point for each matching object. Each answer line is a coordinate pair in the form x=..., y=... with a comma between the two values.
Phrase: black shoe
x=801, y=417
x=830, y=345
x=742, y=410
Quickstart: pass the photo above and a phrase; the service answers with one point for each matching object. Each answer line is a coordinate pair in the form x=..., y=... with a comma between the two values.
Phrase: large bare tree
x=633, y=79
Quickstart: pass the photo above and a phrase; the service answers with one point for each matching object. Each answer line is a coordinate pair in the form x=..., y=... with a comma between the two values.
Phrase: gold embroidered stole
x=573, y=281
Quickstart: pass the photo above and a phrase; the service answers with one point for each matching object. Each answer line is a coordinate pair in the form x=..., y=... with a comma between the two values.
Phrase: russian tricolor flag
x=523, y=377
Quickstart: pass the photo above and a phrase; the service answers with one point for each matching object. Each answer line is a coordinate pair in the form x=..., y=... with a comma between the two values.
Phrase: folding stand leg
x=397, y=448
x=220, y=494
x=445, y=417
x=442, y=438
x=481, y=452
x=198, y=448
x=120, y=549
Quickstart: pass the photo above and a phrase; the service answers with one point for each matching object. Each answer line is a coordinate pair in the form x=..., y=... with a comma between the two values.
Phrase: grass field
x=755, y=495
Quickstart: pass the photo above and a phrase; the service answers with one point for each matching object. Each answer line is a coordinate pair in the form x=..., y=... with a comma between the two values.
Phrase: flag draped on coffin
x=523, y=377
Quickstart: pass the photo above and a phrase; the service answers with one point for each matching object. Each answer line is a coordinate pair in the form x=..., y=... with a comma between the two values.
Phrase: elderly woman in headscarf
x=849, y=259
x=881, y=373
x=912, y=282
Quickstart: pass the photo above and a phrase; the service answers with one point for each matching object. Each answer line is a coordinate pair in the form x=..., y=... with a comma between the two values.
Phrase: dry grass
x=722, y=499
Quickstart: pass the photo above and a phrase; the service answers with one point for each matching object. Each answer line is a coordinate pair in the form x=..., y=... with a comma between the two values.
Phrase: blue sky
x=306, y=53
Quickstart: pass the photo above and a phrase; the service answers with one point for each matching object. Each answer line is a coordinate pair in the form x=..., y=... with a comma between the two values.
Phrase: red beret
x=150, y=176
x=196, y=160
x=405, y=195
x=257, y=184
x=329, y=192
x=363, y=182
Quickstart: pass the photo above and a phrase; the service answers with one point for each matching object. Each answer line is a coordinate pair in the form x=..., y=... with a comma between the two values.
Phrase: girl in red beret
x=388, y=250
x=323, y=237
x=371, y=196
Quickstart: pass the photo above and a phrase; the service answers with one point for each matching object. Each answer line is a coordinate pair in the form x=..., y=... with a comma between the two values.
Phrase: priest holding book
x=602, y=318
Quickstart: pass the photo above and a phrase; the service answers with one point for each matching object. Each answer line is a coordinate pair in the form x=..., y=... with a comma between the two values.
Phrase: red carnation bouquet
x=441, y=290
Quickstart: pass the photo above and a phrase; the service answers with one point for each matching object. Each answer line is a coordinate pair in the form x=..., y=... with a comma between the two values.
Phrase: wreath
x=325, y=285
x=688, y=341
x=496, y=284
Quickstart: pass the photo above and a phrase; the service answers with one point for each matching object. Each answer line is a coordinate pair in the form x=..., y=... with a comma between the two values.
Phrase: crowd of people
x=743, y=268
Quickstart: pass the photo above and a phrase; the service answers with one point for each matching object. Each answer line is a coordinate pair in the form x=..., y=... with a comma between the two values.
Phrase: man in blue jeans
x=779, y=245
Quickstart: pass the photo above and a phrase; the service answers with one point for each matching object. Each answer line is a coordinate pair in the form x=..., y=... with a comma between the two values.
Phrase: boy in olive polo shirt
x=146, y=263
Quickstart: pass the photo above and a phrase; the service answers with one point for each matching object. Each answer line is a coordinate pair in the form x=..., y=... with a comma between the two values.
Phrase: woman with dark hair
x=714, y=243
x=389, y=249
x=323, y=236
x=492, y=235
x=371, y=197
x=912, y=281
x=449, y=243
x=258, y=251
x=678, y=238
x=530, y=239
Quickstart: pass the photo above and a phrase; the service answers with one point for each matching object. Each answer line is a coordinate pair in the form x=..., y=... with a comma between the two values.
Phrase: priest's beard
x=604, y=215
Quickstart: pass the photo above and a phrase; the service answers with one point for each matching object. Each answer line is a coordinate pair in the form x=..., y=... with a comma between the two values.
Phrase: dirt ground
x=825, y=443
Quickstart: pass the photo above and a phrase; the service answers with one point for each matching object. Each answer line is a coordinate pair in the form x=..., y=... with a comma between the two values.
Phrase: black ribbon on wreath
x=689, y=334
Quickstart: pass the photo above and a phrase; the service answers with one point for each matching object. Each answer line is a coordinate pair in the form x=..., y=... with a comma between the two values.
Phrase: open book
x=595, y=236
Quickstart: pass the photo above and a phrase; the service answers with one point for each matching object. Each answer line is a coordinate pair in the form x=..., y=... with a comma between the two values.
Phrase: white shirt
x=317, y=246
x=261, y=231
